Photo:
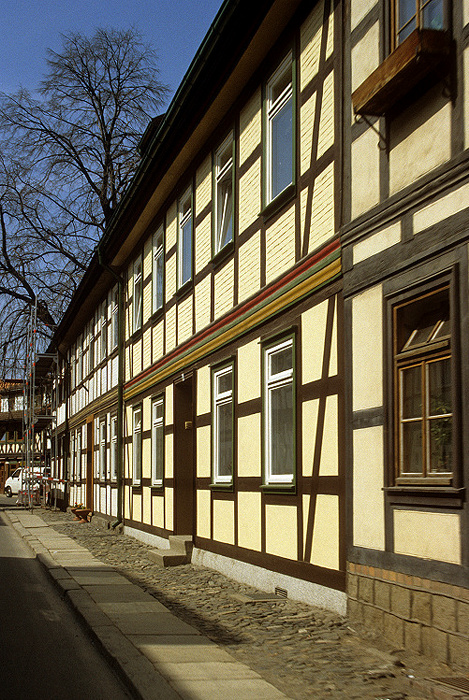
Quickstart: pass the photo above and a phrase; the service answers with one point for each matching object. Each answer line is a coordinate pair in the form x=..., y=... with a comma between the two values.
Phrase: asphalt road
x=44, y=653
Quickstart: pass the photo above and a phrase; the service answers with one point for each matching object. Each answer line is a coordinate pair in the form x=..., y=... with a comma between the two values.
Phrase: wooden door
x=184, y=483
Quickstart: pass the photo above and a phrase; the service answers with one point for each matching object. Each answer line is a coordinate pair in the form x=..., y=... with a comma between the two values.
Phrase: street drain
x=281, y=592
x=458, y=682
x=259, y=597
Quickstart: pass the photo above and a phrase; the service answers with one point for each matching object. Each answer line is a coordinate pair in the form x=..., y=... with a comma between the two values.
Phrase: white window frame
x=157, y=424
x=137, y=444
x=115, y=319
x=158, y=269
x=104, y=331
x=221, y=398
x=185, y=245
x=113, y=447
x=137, y=296
x=224, y=209
x=103, y=462
x=273, y=381
x=274, y=105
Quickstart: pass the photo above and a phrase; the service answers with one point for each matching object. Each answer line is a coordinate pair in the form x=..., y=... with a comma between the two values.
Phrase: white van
x=14, y=483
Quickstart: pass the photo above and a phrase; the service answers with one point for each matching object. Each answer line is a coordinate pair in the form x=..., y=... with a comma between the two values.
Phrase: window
x=158, y=269
x=157, y=441
x=73, y=456
x=185, y=239
x=222, y=427
x=103, y=448
x=224, y=194
x=104, y=332
x=97, y=450
x=279, y=130
x=137, y=445
x=137, y=295
x=423, y=390
x=115, y=318
x=279, y=413
x=114, y=448
x=417, y=14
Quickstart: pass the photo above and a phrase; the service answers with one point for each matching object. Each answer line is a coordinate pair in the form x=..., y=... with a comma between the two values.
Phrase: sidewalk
x=162, y=657
x=274, y=645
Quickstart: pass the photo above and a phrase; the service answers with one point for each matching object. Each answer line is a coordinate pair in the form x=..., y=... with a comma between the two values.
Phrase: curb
x=133, y=668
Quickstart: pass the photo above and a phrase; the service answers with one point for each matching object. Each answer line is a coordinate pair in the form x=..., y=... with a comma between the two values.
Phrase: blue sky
x=175, y=29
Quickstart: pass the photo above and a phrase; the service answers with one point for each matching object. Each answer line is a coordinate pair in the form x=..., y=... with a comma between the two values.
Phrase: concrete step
x=179, y=552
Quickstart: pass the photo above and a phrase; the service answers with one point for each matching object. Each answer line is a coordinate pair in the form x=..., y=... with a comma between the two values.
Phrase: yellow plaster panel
x=203, y=514
x=249, y=196
x=306, y=132
x=147, y=348
x=313, y=323
x=203, y=451
x=281, y=531
x=185, y=319
x=203, y=244
x=168, y=404
x=368, y=482
x=359, y=9
x=171, y=329
x=312, y=35
x=168, y=509
x=171, y=226
x=326, y=442
x=170, y=277
x=280, y=245
x=377, y=243
x=127, y=496
x=420, y=139
x=435, y=536
x=249, y=368
x=203, y=184
x=223, y=521
x=249, y=445
x=224, y=286
x=317, y=209
x=325, y=543
x=326, y=123
x=202, y=303
x=203, y=391
x=466, y=12
x=249, y=520
x=466, y=87
x=365, y=172
x=158, y=340
x=137, y=507
x=168, y=457
x=158, y=511
x=367, y=353
x=249, y=268
x=446, y=206
x=365, y=56
x=146, y=404
x=137, y=357
x=147, y=506
x=250, y=123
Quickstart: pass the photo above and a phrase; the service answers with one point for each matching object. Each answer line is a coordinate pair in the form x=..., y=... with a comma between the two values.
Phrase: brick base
x=423, y=616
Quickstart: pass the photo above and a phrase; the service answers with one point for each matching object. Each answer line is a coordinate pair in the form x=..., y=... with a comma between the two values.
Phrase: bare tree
x=67, y=154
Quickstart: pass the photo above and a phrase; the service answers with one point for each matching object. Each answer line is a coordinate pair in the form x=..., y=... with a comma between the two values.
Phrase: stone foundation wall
x=423, y=616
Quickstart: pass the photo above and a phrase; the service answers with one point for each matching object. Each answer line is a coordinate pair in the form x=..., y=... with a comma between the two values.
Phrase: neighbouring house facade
x=268, y=350
x=12, y=453
x=405, y=256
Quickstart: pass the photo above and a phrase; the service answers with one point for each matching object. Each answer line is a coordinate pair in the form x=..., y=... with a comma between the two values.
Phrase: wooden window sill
x=421, y=53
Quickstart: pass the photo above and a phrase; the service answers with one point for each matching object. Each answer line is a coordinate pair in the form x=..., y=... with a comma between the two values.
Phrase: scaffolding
x=38, y=416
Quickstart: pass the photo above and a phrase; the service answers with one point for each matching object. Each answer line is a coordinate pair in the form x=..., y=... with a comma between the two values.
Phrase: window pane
x=282, y=149
x=433, y=15
x=159, y=282
x=439, y=387
x=440, y=435
x=406, y=11
x=281, y=361
x=225, y=213
x=186, y=252
x=225, y=439
x=412, y=392
x=158, y=453
x=412, y=448
x=281, y=429
x=224, y=383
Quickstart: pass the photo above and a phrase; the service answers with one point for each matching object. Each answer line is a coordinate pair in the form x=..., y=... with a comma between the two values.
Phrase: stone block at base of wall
x=423, y=616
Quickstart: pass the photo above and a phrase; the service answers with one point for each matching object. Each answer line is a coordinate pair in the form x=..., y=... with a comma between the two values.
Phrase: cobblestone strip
x=306, y=652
